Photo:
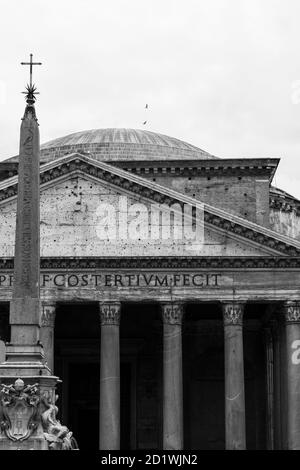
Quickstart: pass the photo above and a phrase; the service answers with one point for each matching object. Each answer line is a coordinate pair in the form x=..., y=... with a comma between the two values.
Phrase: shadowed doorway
x=204, y=385
x=77, y=363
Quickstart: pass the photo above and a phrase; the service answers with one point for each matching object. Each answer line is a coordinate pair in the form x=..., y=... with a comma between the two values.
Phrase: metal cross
x=31, y=64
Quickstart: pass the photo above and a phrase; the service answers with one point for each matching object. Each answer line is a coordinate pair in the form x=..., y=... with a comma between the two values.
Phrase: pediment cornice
x=164, y=262
x=193, y=168
x=273, y=242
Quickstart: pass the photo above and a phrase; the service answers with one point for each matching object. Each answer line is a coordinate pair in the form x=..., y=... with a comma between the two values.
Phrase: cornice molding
x=224, y=167
x=187, y=263
x=112, y=175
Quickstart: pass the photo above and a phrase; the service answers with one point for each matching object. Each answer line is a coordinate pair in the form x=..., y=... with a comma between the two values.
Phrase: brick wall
x=247, y=197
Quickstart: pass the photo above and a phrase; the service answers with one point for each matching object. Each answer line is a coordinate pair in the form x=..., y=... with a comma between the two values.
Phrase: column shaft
x=269, y=358
x=110, y=377
x=47, y=332
x=292, y=319
x=172, y=377
x=235, y=429
x=2, y=337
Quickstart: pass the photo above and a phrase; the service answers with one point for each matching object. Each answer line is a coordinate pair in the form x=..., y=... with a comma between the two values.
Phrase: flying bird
x=146, y=107
x=145, y=122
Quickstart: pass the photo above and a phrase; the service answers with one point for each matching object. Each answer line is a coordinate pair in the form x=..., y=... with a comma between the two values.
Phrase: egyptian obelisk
x=27, y=388
x=25, y=303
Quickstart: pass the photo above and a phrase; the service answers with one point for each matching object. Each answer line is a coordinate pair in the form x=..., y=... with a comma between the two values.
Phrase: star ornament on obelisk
x=31, y=91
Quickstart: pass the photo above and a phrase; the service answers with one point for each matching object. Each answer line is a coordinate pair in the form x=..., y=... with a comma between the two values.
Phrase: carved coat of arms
x=18, y=411
x=25, y=410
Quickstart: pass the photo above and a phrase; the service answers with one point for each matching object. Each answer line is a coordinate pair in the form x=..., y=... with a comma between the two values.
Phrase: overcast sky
x=223, y=75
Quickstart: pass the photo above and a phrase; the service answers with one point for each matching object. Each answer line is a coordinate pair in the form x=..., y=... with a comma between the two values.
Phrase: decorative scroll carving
x=233, y=313
x=19, y=410
x=25, y=412
x=110, y=313
x=291, y=312
x=172, y=313
x=48, y=315
x=58, y=436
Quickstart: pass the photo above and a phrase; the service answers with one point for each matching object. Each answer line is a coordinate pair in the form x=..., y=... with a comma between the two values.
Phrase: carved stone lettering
x=111, y=280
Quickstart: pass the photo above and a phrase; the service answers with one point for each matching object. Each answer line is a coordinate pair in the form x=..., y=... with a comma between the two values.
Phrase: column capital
x=172, y=313
x=291, y=311
x=110, y=313
x=48, y=314
x=233, y=313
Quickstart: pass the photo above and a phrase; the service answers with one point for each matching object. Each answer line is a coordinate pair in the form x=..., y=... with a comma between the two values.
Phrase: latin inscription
x=88, y=280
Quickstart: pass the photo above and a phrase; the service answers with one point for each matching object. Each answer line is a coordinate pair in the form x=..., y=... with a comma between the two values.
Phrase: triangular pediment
x=73, y=188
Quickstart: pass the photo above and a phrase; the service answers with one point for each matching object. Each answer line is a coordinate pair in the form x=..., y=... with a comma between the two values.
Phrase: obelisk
x=25, y=304
x=27, y=388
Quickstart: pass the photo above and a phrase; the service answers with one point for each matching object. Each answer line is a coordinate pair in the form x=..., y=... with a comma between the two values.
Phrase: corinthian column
x=172, y=315
x=47, y=332
x=292, y=326
x=110, y=376
x=235, y=430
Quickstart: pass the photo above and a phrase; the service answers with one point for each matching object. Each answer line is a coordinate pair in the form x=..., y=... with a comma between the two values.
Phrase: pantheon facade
x=169, y=330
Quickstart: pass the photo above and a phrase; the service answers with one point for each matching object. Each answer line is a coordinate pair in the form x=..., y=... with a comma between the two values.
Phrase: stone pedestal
x=28, y=415
x=292, y=325
x=172, y=315
x=110, y=376
x=48, y=312
x=235, y=429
